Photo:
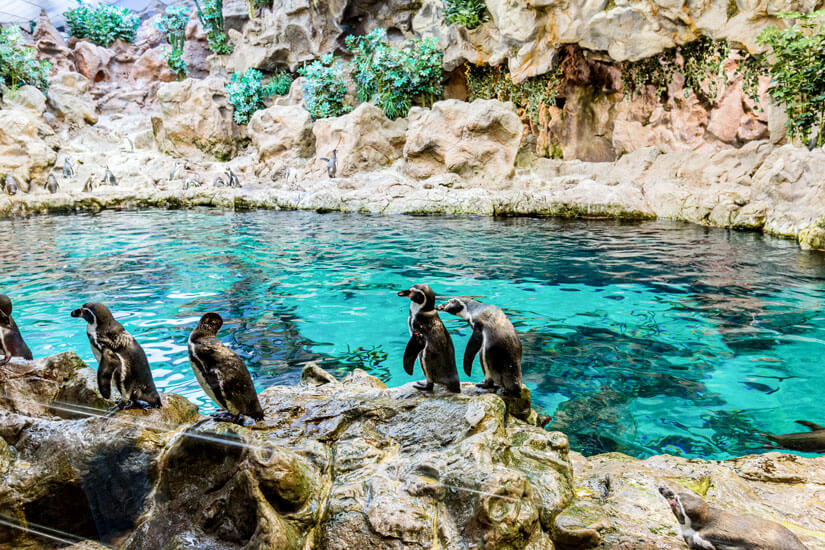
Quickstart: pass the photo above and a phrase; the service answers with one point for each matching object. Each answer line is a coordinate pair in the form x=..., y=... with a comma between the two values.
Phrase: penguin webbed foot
x=223, y=416
x=489, y=386
x=423, y=386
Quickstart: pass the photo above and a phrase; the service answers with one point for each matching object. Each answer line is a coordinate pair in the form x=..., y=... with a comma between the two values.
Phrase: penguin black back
x=222, y=374
x=11, y=341
x=429, y=342
x=121, y=360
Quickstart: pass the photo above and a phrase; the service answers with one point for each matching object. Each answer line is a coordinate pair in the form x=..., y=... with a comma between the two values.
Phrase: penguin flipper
x=414, y=347
x=810, y=425
x=473, y=347
x=238, y=389
x=105, y=370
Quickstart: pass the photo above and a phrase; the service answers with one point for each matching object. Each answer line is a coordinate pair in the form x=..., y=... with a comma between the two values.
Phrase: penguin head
x=422, y=295
x=210, y=324
x=689, y=509
x=5, y=311
x=93, y=313
x=456, y=306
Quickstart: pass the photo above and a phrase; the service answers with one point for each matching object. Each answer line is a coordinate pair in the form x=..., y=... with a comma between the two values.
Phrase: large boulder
x=151, y=66
x=364, y=139
x=50, y=44
x=70, y=99
x=477, y=140
x=92, y=61
x=27, y=143
x=195, y=117
x=279, y=132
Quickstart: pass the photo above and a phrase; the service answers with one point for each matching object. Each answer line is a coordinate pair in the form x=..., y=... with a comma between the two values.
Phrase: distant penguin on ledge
x=11, y=341
x=222, y=374
x=332, y=163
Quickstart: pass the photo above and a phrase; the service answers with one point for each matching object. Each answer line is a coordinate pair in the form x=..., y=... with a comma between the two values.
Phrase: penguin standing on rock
x=332, y=162
x=495, y=340
x=191, y=182
x=109, y=178
x=51, y=184
x=10, y=185
x=232, y=179
x=91, y=183
x=219, y=182
x=221, y=373
x=429, y=342
x=68, y=170
x=121, y=360
x=11, y=341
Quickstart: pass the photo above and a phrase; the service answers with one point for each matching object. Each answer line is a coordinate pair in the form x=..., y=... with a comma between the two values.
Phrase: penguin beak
x=404, y=293
x=440, y=307
x=77, y=313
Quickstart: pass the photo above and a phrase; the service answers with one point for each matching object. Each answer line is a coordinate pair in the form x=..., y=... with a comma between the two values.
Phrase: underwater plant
x=173, y=27
x=211, y=18
x=325, y=88
x=102, y=24
x=18, y=65
x=468, y=13
x=247, y=92
x=394, y=78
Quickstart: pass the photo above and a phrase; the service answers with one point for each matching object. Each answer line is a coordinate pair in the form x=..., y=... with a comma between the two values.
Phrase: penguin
x=91, y=183
x=68, y=170
x=191, y=182
x=121, y=360
x=807, y=442
x=429, y=342
x=332, y=162
x=219, y=182
x=10, y=185
x=11, y=341
x=707, y=528
x=176, y=171
x=109, y=178
x=51, y=184
x=232, y=179
x=221, y=373
x=495, y=340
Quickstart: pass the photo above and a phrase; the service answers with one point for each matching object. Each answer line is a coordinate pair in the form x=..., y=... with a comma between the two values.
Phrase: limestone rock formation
x=50, y=45
x=27, y=142
x=474, y=140
x=92, y=60
x=195, y=117
x=364, y=139
x=70, y=100
x=282, y=131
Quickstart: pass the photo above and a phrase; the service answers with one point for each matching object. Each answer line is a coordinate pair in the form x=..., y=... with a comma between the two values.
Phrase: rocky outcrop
x=195, y=117
x=27, y=143
x=477, y=140
x=50, y=45
x=282, y=132
x=364, y=139
x=70, y=100
x=92, y=61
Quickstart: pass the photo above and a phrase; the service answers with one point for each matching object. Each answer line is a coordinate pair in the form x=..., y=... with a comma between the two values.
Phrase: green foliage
x=325, y=89
x=797, y=71
x=701, y=64
x=102, y=24
x=394, y=78
x=527, y=96
x=247, y=92
x=468, y=13
x=18, y=65
x=733, y=8
x=173, y=27
x=211, y=18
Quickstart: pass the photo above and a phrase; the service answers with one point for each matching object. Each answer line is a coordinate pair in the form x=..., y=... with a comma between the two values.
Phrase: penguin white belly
x=196, y=368
x=91, y=332
x=121, y=377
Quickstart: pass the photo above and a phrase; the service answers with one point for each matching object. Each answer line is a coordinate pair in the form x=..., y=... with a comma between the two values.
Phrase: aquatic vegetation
x=325, y=88
x=18, y=65
x=247, y=92
x=468, y=13
x=396, y=78
x=173, y=27
x=701, y=62
x=102, y=24
x=528, y=96
x=211, y=18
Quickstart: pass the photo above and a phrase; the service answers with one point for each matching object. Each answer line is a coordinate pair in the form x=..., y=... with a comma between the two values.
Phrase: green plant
x=796, y=64
x=173, y=27
x=701, y=64
x=102, y=24
x=247, y=92
x=18, y=65
x=527, y=96
x=211, y=18
x=395, y=78
x=469, y=13
x=325, y=88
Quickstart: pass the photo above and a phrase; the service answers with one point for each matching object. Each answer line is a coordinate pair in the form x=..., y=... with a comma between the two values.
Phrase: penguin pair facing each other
x=11, y=341
x=494, y=338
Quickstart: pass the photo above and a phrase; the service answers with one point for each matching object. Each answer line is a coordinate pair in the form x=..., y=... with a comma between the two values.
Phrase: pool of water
x=643, y=337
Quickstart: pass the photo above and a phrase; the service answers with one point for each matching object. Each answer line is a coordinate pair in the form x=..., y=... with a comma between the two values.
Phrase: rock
x=27, y=143
x=364, y=139
x=25, y=97
x=70, y=100
x=92, y=61
x=474, y=140
x=195, y=117
x=295, y=95
x=313, y=375
x=151, y=66
x=50, y=45
x=280, y=132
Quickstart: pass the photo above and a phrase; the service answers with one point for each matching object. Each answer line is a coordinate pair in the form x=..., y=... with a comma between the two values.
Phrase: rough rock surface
x=27, y=143
x=195, y=116
x=70, y=100
x=477, y=140
x=364, y=139
x=280, y=132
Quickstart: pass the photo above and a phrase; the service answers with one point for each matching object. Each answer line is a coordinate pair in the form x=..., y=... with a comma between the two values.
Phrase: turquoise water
x=638, y=337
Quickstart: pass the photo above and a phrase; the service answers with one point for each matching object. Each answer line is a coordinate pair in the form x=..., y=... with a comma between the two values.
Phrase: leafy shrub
x=796, y=65
x=18, y=65
x=247, y=92
x=469, y=13
x=211, y=18
x=102, y=24
x=393, y=78
x=527, y=96
x=173, y=27
x=325, y=89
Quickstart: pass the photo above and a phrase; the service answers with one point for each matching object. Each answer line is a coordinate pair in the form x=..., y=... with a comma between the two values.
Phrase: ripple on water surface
x=638, y=337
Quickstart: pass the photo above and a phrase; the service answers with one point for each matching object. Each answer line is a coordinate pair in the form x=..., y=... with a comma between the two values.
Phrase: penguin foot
x=223, y=416
x=120, y=406
x=6, y=360
x=489, y=386
x=145, y=405
x=423, y=386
